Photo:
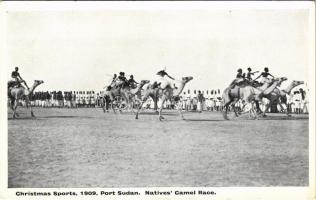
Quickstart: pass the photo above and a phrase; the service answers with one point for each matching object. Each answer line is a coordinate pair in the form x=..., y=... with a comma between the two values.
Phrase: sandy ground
x=88, y=148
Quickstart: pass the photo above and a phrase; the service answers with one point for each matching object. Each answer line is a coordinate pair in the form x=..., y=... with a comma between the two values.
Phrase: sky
x=81, y=50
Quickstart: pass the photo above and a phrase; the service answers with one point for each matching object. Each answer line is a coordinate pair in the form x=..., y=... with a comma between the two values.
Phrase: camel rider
x=249, y=74
x=240, y=77
x=112, y=83
x=113, y=79
x=131, y=82
x=121, y=80
x=164, y=80
x=16, y=79
x=265, y=75
x=122, y=76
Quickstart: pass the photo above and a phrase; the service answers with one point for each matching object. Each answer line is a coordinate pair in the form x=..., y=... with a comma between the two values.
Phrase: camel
x=134, y=94
x=279, y=96
x=166, y=93
x=125, y=92
x=110, y=96
x=153, y=93
x=15, y=94
x=248, y=94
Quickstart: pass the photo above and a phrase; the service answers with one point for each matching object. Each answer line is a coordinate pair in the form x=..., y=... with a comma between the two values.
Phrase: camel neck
x=264, y=86
x=178, y=91
x=32, y=88
x=135, y=90
x=271, y=88
x=289, y=88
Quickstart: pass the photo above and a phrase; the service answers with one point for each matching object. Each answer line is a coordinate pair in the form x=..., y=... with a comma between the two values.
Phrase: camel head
x=281, y=80
x=296, y=83
x=187, y=79
x=143, y=82
x=38, y=82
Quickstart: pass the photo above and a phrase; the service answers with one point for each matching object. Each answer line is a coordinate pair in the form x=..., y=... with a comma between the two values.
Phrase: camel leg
x=112, y=106
x=225, y=111
x=14, y=108
x=28, y=104
x=104, y=104
x=141, y=105
x=160, y=109
x=253, y=113
x=267, y=108
x=233, y=106
x=111, y=101
x=12, y=103
x=257, y=106
x=247, y=108
x=32, y=114
x=139, y=108
x=156, y=105
x=180, y=110
x=285, y=109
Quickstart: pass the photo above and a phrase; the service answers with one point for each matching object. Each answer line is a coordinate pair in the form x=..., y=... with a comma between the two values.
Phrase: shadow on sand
x=47, y=117
x=283, y=118
x=204, y=120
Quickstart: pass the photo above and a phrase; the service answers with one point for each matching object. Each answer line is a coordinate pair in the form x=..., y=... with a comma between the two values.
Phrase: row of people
x=297, y=102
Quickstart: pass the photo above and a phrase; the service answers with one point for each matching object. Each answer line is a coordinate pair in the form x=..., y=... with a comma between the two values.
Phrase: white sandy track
x=88, y=148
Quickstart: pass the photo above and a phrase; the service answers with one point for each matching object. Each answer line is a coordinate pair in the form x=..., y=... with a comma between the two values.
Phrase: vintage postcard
x=157, y=100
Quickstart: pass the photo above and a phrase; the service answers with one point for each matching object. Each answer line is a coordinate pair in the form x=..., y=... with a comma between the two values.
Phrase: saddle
x=155, y=85
x=14, y=84
x=256, y=84
x=108, y=88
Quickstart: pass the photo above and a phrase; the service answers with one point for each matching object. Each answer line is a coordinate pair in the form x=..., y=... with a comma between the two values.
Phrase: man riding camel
x=131, y=82
x=112, y=83
x=265, y=75
x=16, y=79
x=249, y=74
x=122, y=77
x=164, y=80
x=240, y=77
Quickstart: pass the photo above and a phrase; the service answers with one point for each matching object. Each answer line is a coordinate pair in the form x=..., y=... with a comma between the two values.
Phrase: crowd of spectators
x=190, y=100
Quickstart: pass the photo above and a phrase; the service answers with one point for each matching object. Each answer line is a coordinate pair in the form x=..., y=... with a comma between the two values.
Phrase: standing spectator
x=83, y=97
x=98, y=103
x=65, y=100
x=297, y=101
x=304, y=108
x=92, y=98
x=77, y=99
x=60, y=99
x=47, y=99
x=55, y=102
x=200, y=99
x=73, y=99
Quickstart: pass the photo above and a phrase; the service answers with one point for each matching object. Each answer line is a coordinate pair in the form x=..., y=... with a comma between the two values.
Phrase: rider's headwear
x=122, y=73
x=16, y=68
x=249, y=69
x=266, y=69
x=161, y=73
x=239, y=70
x=131, y=76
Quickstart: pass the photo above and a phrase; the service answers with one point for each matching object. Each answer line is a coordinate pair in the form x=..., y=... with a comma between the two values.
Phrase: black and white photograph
x=149, y=95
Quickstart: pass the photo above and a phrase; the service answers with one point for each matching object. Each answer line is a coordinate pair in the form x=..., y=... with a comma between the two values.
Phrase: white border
x=222, y=193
